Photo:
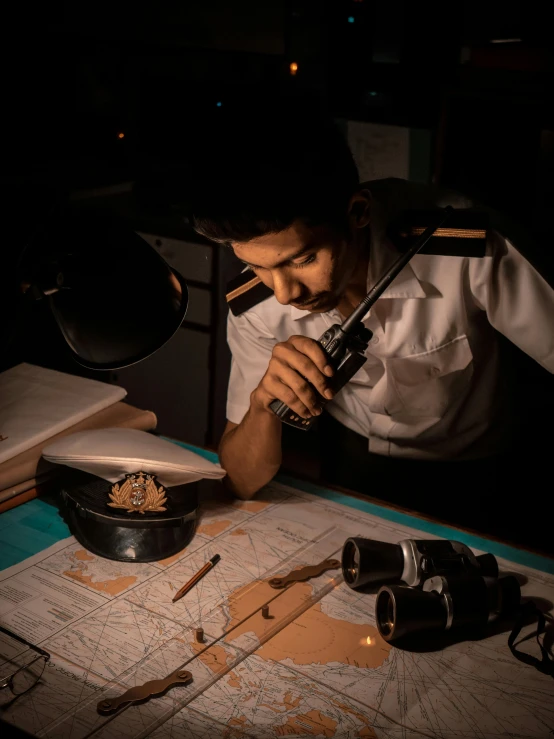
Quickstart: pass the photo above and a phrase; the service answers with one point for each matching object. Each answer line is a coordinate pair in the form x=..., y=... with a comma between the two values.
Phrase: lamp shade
x=114, y=298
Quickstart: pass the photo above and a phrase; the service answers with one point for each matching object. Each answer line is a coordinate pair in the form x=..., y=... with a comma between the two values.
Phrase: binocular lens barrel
x=400, y=610
x=457, y=602
x=445, y=584
x=366, y=562
x=369, y=562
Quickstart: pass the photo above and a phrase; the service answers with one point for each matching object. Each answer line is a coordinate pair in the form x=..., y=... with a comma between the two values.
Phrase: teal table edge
x=505, y=551
x=36, y=525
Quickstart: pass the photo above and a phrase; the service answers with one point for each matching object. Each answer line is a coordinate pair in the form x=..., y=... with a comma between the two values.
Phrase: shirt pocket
x=427, y=384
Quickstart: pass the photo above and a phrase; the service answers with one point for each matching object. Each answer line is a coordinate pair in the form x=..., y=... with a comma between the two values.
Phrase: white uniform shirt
x=430, y=388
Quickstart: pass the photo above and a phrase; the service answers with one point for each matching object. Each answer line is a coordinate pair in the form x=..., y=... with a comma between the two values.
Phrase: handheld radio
x=346, y=343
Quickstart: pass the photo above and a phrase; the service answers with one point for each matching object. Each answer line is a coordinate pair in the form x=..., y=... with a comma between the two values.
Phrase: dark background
x=98, y=96
x=477, y=74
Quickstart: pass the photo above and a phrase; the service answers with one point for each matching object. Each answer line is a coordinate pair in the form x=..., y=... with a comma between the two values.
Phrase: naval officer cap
x=129, y=495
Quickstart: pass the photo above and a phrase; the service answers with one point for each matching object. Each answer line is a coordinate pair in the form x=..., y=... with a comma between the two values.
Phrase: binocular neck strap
x=529, y=612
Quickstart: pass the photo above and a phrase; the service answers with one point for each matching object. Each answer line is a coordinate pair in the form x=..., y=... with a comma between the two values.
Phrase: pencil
x=195, y=578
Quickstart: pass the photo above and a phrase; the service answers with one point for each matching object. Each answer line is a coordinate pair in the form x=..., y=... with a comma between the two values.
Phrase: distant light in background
x=219, y=104
x=120, y=135
x=505, y=40
x=293, y=68
x=351, y=19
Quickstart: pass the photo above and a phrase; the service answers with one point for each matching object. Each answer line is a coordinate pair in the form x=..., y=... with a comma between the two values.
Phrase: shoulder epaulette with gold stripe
x=245, y=291
x=464, y=234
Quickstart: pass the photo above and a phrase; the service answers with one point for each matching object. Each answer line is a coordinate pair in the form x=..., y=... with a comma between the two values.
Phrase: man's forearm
x=251, y=453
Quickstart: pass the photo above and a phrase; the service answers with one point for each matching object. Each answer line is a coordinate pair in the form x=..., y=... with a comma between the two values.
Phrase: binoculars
x=428, y=585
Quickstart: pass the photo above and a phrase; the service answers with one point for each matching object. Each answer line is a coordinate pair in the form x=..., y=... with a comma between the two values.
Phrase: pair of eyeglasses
x=27, y=676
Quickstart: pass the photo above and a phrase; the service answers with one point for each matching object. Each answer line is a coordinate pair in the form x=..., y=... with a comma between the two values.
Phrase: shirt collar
x=383, y=254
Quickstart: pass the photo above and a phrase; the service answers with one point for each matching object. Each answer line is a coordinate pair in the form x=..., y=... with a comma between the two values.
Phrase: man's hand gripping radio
x=346, y=343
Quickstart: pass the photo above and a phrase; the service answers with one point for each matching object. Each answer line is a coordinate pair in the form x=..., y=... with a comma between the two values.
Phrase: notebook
x=36, y=403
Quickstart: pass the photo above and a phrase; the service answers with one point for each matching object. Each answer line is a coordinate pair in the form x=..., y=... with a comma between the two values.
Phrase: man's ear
x=359, y=209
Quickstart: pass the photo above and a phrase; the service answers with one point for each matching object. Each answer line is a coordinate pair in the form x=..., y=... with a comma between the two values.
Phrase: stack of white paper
x=37, y=403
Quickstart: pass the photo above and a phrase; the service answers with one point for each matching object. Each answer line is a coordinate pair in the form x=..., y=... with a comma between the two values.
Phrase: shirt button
x=374, y=340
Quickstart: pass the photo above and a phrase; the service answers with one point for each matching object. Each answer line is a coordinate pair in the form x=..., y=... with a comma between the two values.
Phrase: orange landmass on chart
x=253, y=506
x=113, y=587
x=213, y=529
x=240, y=721
x=83, y=556
x=316, y=638
x=288, y=703
x=312, y=638
x=215, y=658
x=235, y=682
x=312, y=723
x=367, y=733
x=251, y=597
x=235, y=726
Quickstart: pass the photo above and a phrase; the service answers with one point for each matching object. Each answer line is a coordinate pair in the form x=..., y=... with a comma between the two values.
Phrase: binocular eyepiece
x=366, y=562
x=428, y=585
x=444, y=603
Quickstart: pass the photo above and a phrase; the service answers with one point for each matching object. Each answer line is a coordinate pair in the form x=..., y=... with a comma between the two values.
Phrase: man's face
x=308, y=268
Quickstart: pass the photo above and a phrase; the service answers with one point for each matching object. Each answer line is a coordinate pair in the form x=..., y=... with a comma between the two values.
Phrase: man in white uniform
x=430, y=398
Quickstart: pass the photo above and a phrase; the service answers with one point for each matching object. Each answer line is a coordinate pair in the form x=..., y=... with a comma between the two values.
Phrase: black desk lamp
x=116, y=301
x=114, y=298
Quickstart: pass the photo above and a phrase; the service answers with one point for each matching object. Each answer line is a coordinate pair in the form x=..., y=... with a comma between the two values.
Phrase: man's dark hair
x=262, y=167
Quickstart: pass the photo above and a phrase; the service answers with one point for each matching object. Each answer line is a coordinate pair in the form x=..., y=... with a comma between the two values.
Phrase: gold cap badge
x=138, y=493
